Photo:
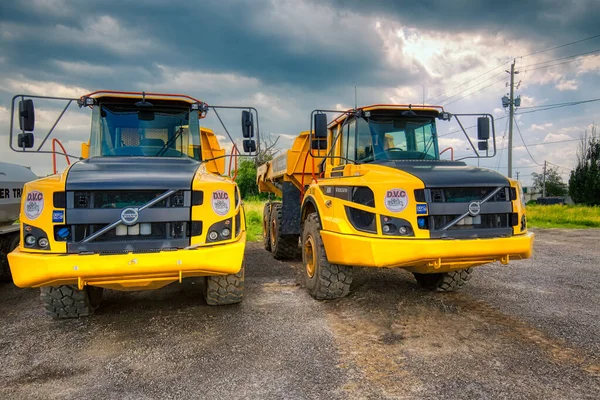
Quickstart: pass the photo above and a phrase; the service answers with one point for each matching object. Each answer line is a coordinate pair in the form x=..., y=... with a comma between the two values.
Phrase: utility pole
x=511, y=116
x=544, y=181
x=517, y=172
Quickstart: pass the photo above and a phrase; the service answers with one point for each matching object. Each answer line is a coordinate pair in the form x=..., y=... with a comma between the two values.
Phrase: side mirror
x=26, y=116
x=249, y=146
x=247, y=126
x=483, y=128
x=25, y=140
x=483, y=145
x=320, y=126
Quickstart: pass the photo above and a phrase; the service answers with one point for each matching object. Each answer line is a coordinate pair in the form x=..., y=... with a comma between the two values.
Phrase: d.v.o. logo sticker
x=396, y=200
x=34, y=204
x=220, y=202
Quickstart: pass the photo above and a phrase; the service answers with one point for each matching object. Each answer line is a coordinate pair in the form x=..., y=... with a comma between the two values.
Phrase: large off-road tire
x=266, y=226
x=323, y=279
x=444, y=282
x=283, y=247
x=8, y=243
x=224, y=289
x=67, y=301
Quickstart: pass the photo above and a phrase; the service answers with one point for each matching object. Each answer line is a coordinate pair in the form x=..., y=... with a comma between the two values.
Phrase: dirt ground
x=528, y=330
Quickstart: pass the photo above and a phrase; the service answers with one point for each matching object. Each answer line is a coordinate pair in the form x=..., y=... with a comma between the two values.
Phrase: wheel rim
x=310, y=256
x=272, y=232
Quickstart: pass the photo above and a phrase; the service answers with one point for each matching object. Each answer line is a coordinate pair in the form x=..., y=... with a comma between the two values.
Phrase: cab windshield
x=129, y=131
x=383, y=138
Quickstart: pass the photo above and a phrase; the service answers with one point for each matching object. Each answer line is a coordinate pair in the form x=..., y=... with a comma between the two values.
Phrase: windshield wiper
x=427, y=147
x=169, y=142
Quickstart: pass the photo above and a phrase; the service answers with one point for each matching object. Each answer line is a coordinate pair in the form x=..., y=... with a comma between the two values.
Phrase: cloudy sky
x=287, y=58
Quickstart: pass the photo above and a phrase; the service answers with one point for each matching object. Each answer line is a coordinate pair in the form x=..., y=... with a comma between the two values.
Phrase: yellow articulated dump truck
x=148, y=203
x=369, y=190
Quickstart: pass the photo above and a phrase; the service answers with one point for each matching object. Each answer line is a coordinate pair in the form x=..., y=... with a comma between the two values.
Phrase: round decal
x=220, y=202
x=129, y=216
x=474, y=208
x=34, y=204
x=396, y=200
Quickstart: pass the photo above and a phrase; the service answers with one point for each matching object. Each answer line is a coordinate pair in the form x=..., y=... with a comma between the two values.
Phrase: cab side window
x=357, y=142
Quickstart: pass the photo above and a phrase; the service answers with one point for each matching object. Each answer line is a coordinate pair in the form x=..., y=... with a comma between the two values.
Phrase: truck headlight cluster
x=35, y=238
x=391, y=226
x=219, y=231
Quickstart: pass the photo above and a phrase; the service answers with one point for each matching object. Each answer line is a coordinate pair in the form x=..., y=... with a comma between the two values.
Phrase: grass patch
x=254, y=212
x=559, y=216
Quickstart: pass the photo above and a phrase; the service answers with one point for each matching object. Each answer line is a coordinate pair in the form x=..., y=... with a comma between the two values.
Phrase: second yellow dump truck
x=369, y=190
x=146, y=205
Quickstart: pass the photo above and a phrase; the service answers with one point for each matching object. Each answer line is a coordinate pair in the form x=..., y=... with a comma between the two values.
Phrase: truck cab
x=380, y=196
x=147, y=205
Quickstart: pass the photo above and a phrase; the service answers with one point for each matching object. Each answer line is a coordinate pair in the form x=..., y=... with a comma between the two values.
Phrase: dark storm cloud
x=212, y=36
x=546, y=20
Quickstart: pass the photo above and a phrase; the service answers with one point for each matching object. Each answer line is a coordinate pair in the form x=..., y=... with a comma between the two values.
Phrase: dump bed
x=295, y=165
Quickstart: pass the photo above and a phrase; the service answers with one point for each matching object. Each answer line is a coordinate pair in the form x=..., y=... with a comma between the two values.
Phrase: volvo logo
x=474, y=208
x=129, y=216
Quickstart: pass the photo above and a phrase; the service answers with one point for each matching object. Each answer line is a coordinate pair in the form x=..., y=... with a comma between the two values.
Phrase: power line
x=558, y=47
x=562, y=58
x=552, y=107
x=547, y=107
x=468, y=127
x=521, y=57
x=554, y=65
x=570, y=103
x=466, y=82
x=560, y=166
x=471, y=87
x=552, y=142
x=469, y=94
x=523, y=140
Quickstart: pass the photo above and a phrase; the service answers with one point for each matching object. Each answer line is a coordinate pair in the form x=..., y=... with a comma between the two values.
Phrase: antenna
x=355, y=99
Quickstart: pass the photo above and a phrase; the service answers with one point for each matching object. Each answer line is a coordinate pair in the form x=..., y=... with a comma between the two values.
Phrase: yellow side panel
x=295, y=165
x=211, y=149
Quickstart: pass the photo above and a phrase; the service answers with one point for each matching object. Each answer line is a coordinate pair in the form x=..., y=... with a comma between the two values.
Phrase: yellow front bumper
x=424, y=255
x=125, y=271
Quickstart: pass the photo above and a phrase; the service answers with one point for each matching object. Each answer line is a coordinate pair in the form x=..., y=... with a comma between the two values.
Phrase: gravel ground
x=527, y=330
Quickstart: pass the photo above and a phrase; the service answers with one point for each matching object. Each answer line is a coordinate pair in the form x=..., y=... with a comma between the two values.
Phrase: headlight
x=29, y=240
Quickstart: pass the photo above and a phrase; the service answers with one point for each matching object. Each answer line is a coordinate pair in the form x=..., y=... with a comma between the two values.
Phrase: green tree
x=246, y=176
x=584, y=183
x=554, y=183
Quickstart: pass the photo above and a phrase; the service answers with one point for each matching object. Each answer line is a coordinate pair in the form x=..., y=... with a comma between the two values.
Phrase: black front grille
x=158, y=230
x=122, y=199
x=484, y=221
x=467, y=195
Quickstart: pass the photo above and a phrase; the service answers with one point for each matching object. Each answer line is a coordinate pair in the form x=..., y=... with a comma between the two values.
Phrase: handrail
x=234, y=154
x=55, y=141
x=451, y=152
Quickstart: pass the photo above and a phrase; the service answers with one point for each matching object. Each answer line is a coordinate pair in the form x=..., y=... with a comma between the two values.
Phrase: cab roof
x=139, y=95
x=435, y=110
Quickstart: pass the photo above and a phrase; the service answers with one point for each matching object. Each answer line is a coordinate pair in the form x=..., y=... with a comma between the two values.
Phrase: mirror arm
x=225, y=128
x=467, y=136
x=54, y=126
